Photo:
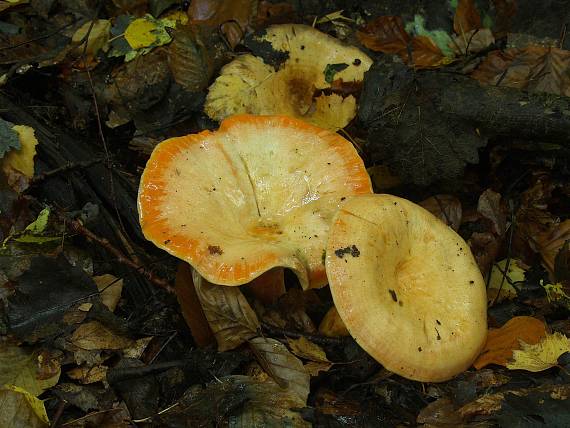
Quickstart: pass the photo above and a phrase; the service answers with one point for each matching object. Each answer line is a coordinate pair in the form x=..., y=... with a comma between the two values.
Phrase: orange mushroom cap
x=258, y=193
x=407, y=287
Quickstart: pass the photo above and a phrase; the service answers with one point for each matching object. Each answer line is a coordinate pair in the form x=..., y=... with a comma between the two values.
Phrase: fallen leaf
x=441, y=412
x=87, y=375
x=20, y=409
x=540, y=356
x=332, y=324
x=98, y=36
x=286, y=369
x=240, y=400
x=491, y=207
x=550, y=242
x=274, y=13
x=33, y=371
x=502, y=280
x=231, y=318
x=95, y=336
x=557, y=293
x=502, y=342
x=472, y=42
x=314, y=368
x=447, y=208
x=535, y=68
x=18, y=164
x=466, y=17
x=382, y=178
x=110, y=288
x=333, y=16
x=425, y=54
x=308, y=350
x=147, y=32
x=385, y=34
x=137, y=348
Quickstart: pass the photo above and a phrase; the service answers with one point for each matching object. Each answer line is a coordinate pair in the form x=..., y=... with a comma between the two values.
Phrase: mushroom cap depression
x=407, y=287
x=258, y=193
x=295, y=88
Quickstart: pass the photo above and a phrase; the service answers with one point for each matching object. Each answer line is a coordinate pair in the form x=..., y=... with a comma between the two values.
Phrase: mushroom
x=407, y=287
x=300, y=87
x=257, y=194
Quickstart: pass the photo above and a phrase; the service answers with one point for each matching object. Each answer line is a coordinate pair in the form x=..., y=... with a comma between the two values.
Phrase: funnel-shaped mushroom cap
x=296, y=88
x=257, y=194
x=407, y=287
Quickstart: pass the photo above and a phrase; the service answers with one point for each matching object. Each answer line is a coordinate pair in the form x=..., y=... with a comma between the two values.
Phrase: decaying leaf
x=445, y=207
x=502, y=342
x=472, y=42
x=332, y=324
x=230, y=317
x=558, y=293
x=540, y=356
x=20, y=409
x=297, y=86
x=466, y=17
x=95, y=336
x=385, y=34
x=535, y=68
x=491, y=206
x=241, y=401
x=286, y=369
x=269, y=286
x=550, y=242
x=9, y=138
x=308, y=350
x=110, y=289
x=425, y=54
x=32, y=371
x=382, y=178
x=502, y=280
x=87, y=375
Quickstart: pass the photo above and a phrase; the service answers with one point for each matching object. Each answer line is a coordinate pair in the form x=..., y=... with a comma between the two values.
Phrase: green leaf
x=39, y=224
x=332, y=69
x=9, y=139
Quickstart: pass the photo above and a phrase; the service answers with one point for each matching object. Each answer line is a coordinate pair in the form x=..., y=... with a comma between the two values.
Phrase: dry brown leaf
x=191, y=307
x=466, y=17
x=447, y=208
x=269, y=286
x=95, y=336
x=485, y=248
x=501, y=342
x=472, y=42
x=286, y=369
x=332, y=325
x=385, y=34
x=137, y=349
x=535, y=68
x=274, y=13
x=549, y=244
x=308, y=350
x=110, y=288
x=382, y=178
x=491, y=207
x=87, y=375
x=231, y=16
x=425, y=53
x=314, y=368
x=231, y=318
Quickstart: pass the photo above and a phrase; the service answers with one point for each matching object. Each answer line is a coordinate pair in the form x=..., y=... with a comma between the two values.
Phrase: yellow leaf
x=22, y=160
x=148, y=32
x=98, y=37
x=308, y=350
x=542, y=356
x=500, y=283
x=13, y=403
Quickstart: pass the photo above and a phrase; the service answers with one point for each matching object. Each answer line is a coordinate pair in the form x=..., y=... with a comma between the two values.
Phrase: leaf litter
x=450, y=115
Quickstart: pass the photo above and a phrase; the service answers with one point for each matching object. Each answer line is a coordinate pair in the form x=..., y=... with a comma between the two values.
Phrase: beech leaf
x=540, y=356
x=231, y=318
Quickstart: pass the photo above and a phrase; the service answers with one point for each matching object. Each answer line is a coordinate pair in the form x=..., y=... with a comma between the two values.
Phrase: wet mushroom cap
x=298, y=87
x=407, y=287
x=258, y=193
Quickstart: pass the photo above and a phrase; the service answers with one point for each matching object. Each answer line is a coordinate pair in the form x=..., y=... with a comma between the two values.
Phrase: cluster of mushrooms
x=273, y=191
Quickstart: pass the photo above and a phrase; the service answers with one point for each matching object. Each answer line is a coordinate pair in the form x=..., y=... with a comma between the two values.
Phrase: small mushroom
x=407, y=287
x=300, y=87
x=257, y=194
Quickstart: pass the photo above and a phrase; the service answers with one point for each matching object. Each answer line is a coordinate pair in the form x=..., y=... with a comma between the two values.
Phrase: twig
x=77, y=227
x=65, y=168
x=318, y=339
